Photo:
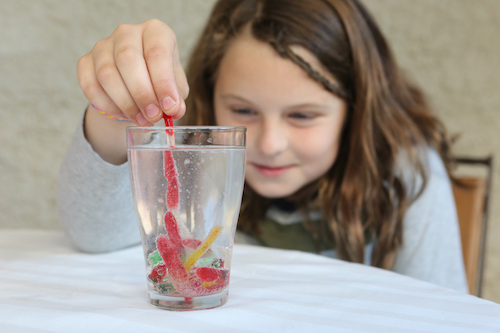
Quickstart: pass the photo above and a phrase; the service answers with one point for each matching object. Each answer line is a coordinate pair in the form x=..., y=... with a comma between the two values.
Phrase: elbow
x=95, y=243
x=99, y=237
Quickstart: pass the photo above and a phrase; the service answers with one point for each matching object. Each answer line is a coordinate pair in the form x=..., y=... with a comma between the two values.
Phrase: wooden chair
x=472, y=194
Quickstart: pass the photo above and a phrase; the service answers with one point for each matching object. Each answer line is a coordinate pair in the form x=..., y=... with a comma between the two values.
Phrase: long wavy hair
x=364, y=194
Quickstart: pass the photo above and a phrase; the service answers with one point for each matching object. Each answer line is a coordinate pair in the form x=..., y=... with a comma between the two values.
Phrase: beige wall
x=450, y=47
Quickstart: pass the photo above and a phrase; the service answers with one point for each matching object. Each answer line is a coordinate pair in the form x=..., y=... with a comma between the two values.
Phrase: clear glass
x=187, y=184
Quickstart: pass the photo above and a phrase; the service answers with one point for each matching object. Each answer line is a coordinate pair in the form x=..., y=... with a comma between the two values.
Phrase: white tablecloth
x=46, y=286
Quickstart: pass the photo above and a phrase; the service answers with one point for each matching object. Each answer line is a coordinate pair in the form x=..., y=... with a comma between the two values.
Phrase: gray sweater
x=97, y=213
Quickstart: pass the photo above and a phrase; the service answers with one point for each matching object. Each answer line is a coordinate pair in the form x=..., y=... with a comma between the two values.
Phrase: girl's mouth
x=269, y=171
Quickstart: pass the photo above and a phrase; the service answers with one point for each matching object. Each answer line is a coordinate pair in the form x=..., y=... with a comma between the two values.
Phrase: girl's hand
x=135, y=73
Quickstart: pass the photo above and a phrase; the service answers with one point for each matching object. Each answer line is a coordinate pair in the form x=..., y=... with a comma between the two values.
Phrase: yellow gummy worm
x=193, y=258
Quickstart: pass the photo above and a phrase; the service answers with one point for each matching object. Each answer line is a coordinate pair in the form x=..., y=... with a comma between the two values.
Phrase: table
x=47, y=286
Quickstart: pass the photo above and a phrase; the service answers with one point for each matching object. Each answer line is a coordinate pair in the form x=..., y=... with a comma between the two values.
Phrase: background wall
x=449, y=47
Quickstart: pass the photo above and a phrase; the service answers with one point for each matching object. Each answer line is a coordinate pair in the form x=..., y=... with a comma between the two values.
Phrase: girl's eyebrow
x=309, y=106
x=235, y=97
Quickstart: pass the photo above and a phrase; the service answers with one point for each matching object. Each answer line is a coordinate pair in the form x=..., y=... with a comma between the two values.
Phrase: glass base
x=187, y=303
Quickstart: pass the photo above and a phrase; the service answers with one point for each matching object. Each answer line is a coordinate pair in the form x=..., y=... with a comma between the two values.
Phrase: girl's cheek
x=250, y=138
x=317, y=143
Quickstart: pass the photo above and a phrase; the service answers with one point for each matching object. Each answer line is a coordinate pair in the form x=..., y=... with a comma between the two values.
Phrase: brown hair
x=364, y=193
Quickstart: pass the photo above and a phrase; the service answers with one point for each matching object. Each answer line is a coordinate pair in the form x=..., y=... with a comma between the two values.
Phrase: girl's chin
x=270, y=192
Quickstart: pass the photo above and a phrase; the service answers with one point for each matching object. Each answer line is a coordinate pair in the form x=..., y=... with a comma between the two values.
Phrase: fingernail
x=152, y=111
x=141, y=120
x=168, y=103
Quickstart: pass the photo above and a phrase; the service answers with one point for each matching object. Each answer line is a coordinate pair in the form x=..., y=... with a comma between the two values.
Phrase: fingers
x=102, y=84
x=117, y=86
x=131, y=66
x=93, y=90
x=166, y=73
x=136, y=73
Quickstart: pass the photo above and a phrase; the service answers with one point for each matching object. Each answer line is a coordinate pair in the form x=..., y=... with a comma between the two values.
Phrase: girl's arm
x=135, y=74
x=94, y=199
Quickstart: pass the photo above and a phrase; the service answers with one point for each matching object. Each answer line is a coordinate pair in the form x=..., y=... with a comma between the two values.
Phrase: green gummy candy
x=217, y=263
x=210, y=260
x=154, y=258
x=165, y=288
x=206, y=259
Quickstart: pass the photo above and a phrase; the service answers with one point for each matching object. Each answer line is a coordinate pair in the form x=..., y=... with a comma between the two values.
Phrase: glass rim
x=193, y=128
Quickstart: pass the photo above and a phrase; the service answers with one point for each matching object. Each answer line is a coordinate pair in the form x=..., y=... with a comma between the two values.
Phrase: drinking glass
x=187, y=184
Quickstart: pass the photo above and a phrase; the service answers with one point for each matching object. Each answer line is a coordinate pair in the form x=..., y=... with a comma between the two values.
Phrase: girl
x=344, y=157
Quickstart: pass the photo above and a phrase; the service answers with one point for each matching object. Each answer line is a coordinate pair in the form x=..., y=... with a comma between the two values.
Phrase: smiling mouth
x=271, y=171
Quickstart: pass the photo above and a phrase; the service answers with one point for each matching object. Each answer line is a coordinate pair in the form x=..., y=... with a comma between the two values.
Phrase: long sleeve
x=95, y=200
x=431, y=248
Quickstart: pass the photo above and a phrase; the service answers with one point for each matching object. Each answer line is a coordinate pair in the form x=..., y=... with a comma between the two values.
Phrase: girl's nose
x=272, y=138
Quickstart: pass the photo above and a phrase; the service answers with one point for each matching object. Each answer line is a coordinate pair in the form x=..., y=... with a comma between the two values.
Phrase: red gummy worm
x=170, y=171
x=209, y=274
x=173, y=232
x=171, y=259
x=158, y=272
x=172, y=178
x=169, y=122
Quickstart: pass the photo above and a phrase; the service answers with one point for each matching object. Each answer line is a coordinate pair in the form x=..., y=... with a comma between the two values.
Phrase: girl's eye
x=244, y=112
x=302, y=116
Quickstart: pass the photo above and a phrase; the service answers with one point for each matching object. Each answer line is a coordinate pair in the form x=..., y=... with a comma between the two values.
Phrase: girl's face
x=293, y=124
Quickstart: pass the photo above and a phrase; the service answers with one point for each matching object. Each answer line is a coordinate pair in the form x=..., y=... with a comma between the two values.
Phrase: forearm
x=106, y=136
x=95, y=201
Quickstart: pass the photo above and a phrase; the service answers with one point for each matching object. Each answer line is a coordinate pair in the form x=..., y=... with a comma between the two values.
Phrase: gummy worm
x=170, y=170
x=173, y=232
x=193, y=258
x=172, y=178
x=169, y=122
x=171, y=259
